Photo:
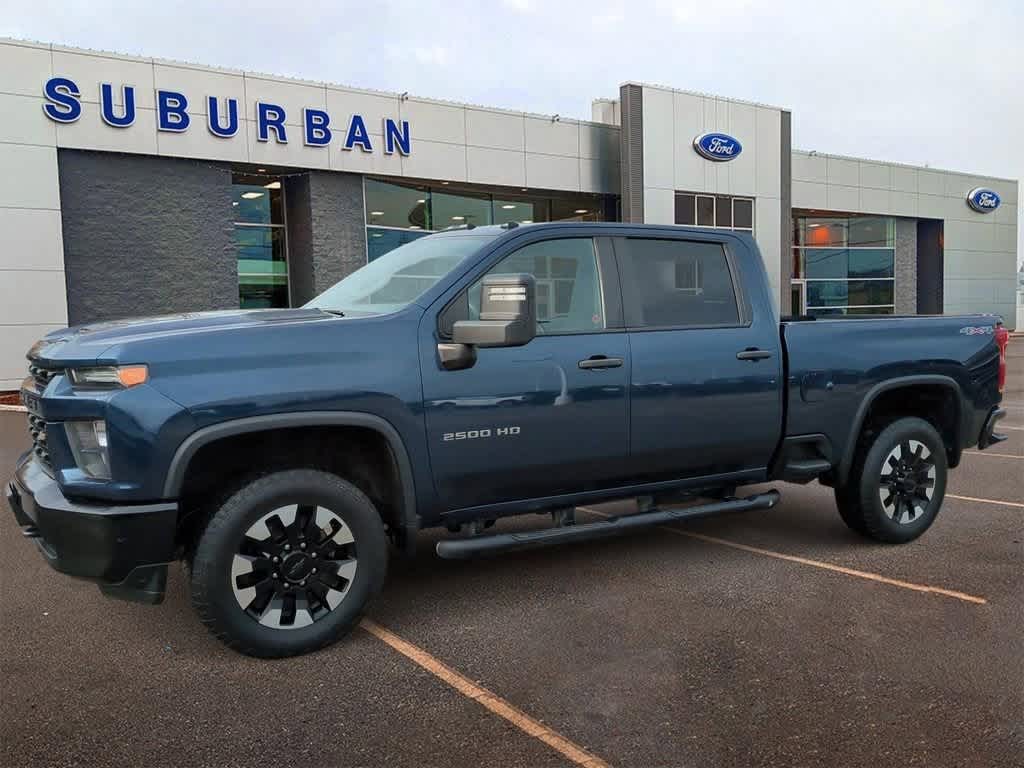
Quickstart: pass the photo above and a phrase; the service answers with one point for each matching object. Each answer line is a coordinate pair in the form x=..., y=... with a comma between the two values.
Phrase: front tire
x=288, y=563
x=896, y=484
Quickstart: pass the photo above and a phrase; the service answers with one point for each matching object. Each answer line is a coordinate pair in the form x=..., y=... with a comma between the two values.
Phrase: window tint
x=568, y=284
x=678, y=283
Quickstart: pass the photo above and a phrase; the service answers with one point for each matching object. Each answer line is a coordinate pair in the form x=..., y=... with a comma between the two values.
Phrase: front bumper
x=124, y=548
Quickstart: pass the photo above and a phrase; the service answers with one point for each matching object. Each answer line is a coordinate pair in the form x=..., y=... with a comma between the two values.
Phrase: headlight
x=88, y=440
x=110, y=376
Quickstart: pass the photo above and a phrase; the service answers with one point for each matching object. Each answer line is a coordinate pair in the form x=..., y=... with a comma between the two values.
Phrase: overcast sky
x=939, y=82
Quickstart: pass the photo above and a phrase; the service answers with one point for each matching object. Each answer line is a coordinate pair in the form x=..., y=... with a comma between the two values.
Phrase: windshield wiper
x=337, y=312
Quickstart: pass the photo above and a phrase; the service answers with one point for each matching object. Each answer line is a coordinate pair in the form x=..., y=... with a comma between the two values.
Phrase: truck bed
x=836, y=367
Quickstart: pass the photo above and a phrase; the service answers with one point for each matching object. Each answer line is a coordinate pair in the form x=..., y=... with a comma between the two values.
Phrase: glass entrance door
x=798, y=298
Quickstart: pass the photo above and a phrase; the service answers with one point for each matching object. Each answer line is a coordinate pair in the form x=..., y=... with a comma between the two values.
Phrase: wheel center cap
x=907, y=484
x=296, y=566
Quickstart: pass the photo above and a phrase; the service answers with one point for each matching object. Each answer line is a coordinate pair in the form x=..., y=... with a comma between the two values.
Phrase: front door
x=543, y=419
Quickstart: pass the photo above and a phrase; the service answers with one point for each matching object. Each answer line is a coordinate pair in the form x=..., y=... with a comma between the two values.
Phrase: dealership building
x=138, y=186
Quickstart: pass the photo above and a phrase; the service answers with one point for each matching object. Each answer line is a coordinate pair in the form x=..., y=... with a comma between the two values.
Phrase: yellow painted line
x=985, y=501
x=995, y=455
x=822, y=565
x=490, y=701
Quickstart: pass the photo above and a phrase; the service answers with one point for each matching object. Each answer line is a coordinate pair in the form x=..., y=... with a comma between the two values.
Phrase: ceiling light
x=581, y=210
x=526, y=221
x=458, y=218
x=252, y=195
x=444, y=183
x=376, y=213
x=261, y=170
x=234, y=202
x=523, y=189
x=508, y=207
x=812, y=226
x=272, y=185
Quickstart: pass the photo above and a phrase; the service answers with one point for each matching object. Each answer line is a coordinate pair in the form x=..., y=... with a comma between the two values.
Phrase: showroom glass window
x=257, y=203
x=846, y=263
x=400, y=213
x=716, y=211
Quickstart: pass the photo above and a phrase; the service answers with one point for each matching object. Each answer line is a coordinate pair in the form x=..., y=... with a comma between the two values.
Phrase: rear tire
x=288, y=563
x=896, y=484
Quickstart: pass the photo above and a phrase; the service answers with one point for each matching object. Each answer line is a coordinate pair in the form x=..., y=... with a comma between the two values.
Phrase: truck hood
x=87, y=344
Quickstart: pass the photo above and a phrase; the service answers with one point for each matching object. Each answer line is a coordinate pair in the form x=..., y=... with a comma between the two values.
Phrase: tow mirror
x=508, y=314
x=508, y=318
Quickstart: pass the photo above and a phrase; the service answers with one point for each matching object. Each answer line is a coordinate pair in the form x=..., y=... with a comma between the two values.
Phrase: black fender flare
x=191, y=445
x=884, y=386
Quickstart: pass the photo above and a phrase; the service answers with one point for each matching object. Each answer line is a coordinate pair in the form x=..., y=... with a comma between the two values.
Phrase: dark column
x=930, y=267
x=786, y=212
x=145, y=235
x=905, y=267
x=299, y=225
x=326, y=230
x=631, y=152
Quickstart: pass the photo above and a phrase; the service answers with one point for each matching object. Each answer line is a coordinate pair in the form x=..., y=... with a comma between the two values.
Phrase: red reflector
x=1002, y=341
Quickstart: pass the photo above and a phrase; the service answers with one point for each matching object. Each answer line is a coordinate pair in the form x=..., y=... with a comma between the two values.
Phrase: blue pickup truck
x=467, y=376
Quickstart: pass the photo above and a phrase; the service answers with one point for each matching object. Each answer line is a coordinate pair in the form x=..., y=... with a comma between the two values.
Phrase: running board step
x=461, y=549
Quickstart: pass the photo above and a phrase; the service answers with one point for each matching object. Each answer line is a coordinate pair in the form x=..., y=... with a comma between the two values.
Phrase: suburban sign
x=983, y=200
x=717, y=146
x=63, y=105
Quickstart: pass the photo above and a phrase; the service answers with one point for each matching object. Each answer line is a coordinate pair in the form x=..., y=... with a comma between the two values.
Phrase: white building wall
x=980, y=249
x=32, y=290
x=450, y=142
x=671, y=121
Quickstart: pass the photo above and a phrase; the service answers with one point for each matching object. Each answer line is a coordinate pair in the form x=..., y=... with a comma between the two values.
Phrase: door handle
x=753, y=354
x=600, y=361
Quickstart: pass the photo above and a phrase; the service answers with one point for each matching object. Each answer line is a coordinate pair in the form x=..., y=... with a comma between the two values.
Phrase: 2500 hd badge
x=473, y=434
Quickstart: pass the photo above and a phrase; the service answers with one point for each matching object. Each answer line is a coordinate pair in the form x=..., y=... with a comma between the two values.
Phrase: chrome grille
x=37, y=428
x=39, y=377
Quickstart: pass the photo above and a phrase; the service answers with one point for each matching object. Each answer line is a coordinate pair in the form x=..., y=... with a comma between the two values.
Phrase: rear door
x=546, y=418
x=705, y=383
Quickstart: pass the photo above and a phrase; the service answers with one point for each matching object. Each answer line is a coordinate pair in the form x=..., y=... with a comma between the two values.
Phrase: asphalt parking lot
x=768, y=638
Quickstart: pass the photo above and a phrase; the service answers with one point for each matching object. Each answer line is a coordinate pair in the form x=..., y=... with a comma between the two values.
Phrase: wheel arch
x=892, y=385
x=178, y=469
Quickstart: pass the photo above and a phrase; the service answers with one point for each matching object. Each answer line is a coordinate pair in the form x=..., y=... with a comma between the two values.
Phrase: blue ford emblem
x=717, y=146
x=983, y=200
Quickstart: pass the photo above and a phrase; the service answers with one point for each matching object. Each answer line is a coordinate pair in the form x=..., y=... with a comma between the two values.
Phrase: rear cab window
x=670, y=283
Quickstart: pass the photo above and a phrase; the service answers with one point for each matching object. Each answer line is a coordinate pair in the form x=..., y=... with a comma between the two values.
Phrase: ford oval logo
x=717, y=146
x=983, y=200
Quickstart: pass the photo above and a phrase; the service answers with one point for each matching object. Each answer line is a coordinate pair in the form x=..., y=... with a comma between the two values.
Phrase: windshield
x=399, y=277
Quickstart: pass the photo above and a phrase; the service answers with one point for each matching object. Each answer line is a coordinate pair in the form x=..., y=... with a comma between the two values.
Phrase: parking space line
x=820, y=564
x=994, y=455
x=492, y=702
x=1001, y=427
x=985, y=501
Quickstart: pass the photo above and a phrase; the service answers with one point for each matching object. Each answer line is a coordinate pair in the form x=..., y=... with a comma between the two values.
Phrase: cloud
x=910, y=82
x=436, y=55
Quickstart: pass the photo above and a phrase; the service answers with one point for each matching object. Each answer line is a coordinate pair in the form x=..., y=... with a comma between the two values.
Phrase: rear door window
x=677, y=283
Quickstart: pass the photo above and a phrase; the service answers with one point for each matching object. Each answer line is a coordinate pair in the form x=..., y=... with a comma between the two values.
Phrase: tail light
x=1002, y=341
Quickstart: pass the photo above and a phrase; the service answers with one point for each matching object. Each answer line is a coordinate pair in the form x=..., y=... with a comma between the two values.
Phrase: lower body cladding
x=124, y=549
